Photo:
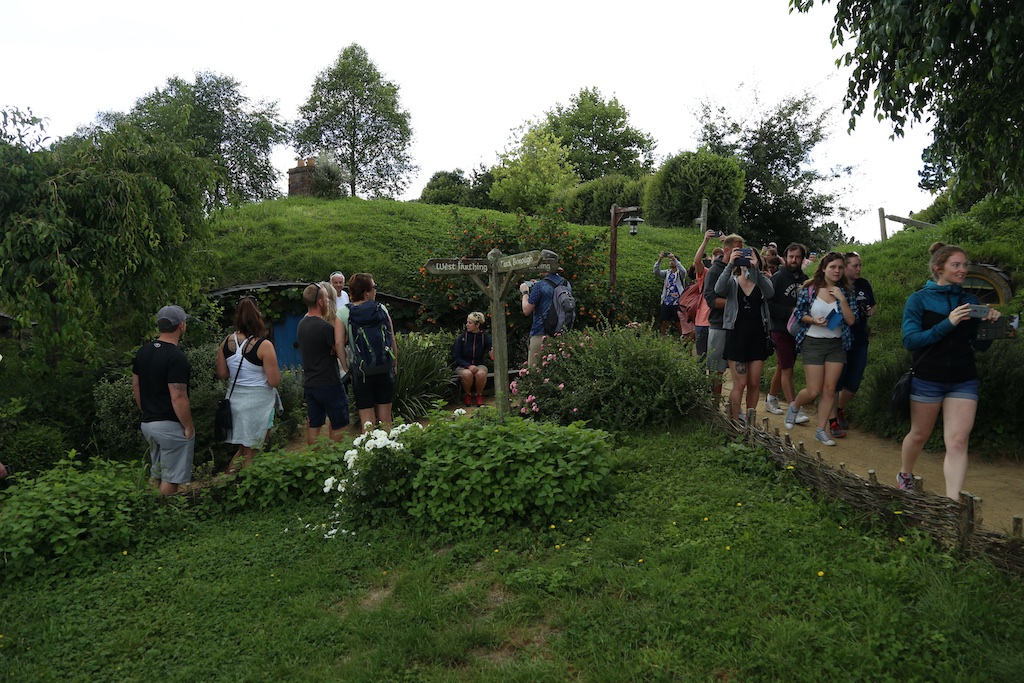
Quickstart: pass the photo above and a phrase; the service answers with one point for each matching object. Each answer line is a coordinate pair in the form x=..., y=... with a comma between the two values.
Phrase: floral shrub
x=613, y=379
x=463, y=473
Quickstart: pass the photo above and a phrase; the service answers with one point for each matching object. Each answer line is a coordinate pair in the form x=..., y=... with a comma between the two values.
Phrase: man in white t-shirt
x=338, y=282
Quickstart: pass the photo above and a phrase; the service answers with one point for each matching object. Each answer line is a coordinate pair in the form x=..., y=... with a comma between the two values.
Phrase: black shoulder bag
x=222, y=422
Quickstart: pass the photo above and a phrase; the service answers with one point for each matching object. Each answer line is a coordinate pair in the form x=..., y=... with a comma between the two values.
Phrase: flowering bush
x=466, y=473
x=624, y=378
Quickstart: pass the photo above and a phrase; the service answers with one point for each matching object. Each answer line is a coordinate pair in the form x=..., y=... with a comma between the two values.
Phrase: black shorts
x=670, y=312
x=372, y=391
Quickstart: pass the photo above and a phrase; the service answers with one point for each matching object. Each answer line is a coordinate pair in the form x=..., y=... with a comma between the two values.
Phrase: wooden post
x=1018, y=526
x=918, y=484
x=970, y=517
x=499, y=339
x=881, y=222
x=842, y=466
x=873, y=477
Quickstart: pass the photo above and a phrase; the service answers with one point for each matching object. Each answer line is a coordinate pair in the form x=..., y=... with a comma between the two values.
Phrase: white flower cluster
x=368, y=441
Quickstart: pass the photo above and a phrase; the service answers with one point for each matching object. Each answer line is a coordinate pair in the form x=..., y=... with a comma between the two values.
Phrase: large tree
x=599, y=138
x=675, y=193
x=533, y=171
x=355, y=113
x=220, y=123
x=787, y=197
x=955, y=65
x=97, y=233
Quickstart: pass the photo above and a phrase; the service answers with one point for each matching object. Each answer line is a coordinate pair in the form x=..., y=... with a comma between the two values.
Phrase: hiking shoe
x=801, y=418
x=791, y=416
x=467, y=399
x=479, y=399
x=841, y=419
x=771, y=404
x=905, y=482
x=822, y=436
x=836, y=430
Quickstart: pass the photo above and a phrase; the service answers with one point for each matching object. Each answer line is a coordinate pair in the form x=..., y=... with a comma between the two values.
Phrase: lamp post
x=617, y=216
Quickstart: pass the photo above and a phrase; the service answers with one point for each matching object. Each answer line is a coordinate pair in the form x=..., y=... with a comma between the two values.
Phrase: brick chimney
x=300, y=178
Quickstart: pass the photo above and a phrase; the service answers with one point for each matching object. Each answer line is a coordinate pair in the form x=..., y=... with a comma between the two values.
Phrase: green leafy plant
x=465, y=474
x=72, y=516
x=424, y=373
x=278, y=478
x=622, y=379
x=34, y=447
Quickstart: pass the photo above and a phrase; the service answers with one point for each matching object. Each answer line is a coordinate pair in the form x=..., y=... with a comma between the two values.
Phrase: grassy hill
x=306, y=239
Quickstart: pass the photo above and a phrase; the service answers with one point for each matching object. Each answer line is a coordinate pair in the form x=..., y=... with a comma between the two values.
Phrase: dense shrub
x=590, y=203
x=278, y=478
x=675, y=192
x=69, y=517
x=613, y=379
x=467, y=474
x=424, y=374
x=117, y=420
x=34, y=447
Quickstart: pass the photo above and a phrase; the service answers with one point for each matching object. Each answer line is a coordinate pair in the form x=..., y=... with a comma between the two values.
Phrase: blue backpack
x=370, y=340
x=562, y=313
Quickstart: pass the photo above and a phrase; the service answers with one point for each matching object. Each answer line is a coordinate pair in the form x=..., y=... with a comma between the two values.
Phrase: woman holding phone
x=826, y=318
x=940, y=323
x=747, y=323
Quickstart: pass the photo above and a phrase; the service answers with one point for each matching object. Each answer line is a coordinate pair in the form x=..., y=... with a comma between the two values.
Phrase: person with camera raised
x=671, y=290
x=747, y=323
x=940, y=324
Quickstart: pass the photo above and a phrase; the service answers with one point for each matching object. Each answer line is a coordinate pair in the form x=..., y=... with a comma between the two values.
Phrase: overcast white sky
x=468, y=72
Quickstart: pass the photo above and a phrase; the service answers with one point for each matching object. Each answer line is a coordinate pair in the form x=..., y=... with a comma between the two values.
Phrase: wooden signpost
x=500, y=271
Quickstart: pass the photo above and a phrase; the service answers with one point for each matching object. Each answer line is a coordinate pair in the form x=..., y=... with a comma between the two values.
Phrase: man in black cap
x=160, y=377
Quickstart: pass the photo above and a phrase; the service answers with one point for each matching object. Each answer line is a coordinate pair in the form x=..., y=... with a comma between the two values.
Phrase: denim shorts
x=853, y=371
x=924, y=391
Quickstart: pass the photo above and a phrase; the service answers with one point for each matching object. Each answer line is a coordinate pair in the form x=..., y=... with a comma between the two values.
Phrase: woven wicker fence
x=953, y=524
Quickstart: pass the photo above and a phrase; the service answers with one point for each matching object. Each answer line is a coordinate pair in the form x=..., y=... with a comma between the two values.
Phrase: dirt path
x=999, y=484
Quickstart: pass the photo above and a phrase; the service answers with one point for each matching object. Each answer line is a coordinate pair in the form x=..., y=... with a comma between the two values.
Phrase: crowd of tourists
x=756, y=303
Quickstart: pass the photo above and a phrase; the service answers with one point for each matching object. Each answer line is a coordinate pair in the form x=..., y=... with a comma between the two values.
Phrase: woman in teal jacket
x=939, y=330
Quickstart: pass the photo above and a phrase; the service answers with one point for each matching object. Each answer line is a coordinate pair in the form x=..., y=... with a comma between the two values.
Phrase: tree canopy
x=98, y=233
x=675, y=193
x=533, y=172
x=786, y=197
x=218, y=122
x=598, y=137
x=355, y=113
x=955, y=65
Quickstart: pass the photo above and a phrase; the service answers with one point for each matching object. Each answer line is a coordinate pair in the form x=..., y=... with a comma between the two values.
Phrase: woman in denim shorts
x=939, y=330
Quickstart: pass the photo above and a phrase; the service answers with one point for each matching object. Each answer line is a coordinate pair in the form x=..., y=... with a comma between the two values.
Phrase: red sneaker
x=467, y=399
x=479, y=399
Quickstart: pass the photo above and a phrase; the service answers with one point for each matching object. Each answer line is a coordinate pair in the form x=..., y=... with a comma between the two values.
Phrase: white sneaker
x=772, y=405
x=801, y=418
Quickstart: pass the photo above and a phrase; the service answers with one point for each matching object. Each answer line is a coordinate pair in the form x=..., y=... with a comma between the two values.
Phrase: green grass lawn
x=707, y=565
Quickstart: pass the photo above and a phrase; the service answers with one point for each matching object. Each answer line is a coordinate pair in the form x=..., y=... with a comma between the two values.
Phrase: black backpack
x=370, y=339
x=562, y=313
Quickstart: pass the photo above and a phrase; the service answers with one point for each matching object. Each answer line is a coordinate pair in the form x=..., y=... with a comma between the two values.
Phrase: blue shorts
x=324, y=402
x=670, y=312
x=853, y=371
x=923, y=391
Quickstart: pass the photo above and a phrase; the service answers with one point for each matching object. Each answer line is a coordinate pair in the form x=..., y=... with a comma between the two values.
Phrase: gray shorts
x=716, y=347
x=818, y=351
x=169, y=451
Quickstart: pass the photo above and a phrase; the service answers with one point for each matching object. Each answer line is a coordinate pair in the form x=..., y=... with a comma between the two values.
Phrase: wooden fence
x=953, y=524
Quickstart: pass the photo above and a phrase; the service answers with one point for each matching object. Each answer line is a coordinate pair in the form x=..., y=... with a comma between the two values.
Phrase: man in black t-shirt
x=322, y=345
x=160, y=377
